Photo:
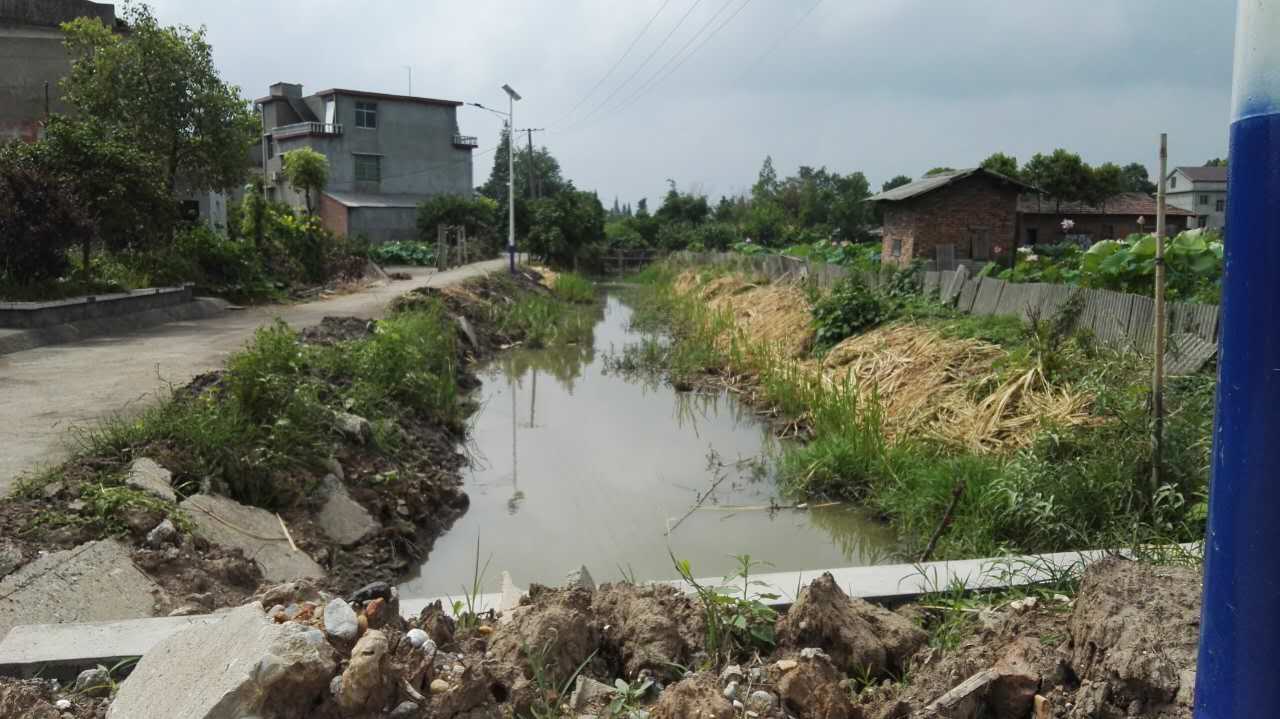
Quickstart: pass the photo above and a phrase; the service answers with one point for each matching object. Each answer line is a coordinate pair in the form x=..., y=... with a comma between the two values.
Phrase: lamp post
x=512, y=96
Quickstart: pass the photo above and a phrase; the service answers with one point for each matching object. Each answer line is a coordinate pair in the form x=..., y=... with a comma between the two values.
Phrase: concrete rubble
x=145, y=475
x=256, y=532
x=343, y=519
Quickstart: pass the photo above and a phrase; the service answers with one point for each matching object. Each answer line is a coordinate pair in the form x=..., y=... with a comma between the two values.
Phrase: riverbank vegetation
x=1037, y=434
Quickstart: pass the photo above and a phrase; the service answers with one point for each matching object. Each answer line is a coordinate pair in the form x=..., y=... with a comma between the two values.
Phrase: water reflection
x=578, y=466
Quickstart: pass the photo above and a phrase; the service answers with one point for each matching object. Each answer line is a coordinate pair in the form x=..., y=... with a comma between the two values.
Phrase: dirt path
x=46, y=391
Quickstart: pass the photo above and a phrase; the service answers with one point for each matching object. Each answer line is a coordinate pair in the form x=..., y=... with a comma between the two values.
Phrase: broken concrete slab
x=256, y=532
x=345, y=520
x=146, y=475
x=244, y=665
x=92, y=582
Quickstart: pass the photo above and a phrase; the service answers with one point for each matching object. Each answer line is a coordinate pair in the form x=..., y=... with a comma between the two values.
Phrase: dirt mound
x=813, y=689
x=857, y=635
x=648, y=627
x=697, y=695
x=38, y=699
x=333, y=330
x=548, y=639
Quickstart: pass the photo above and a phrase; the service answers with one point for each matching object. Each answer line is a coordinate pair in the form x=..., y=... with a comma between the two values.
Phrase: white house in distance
x=1202, y=190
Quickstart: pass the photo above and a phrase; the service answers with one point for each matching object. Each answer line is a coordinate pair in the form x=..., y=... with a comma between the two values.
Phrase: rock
x=786, y=665
x=144, y=474
x=93, y=582
x=813, y=653
x=857, y=635
x=11, y=557
x=1017, y=681
x=437, y=623
x=813, y=690
x=340, y=621
x=760, y=701
x=188, y=610
x=730, y=690
x=373, y=590
x=732, y=673
x=418, y=639
x=353, y=427
x=439, y=686
x=1122, y=614
x=588, y=692
x=404, y=710
x=697, y=695
x=342, y=518
x=94, y=682
x=580, y=577
x=62, y=704
x=468, y=332
x=163, y=534
x=256, y=532
x=366, y=684
x=244, y=665
x=334, y=467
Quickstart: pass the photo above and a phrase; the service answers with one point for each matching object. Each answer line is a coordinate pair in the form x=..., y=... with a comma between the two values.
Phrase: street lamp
x=512, y=96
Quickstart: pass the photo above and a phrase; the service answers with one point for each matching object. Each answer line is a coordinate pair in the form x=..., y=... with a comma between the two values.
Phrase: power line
x=618, y=62
x=769, y=50
x=641, y=66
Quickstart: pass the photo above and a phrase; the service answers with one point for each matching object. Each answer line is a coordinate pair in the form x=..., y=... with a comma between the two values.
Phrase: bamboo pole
x=1157, y=380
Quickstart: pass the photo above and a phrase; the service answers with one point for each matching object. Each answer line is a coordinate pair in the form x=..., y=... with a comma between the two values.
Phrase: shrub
x=404, y=253
x=39, y=219
x=850, y=308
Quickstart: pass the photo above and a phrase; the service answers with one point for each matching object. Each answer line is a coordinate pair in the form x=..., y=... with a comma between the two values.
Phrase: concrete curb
x=21, y=340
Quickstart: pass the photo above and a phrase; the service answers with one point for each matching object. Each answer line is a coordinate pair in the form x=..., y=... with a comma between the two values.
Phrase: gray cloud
x=881, y=86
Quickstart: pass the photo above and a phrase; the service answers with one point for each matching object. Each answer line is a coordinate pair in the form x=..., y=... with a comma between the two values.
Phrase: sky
x=708, y=88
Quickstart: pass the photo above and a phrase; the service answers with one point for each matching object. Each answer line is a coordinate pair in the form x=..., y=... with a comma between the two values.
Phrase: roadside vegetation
x=1037, y=435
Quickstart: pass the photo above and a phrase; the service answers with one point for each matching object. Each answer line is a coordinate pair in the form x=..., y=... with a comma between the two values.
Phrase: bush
x=850, y=308
x=422, y=254
x=39, y=219
x=480, y=215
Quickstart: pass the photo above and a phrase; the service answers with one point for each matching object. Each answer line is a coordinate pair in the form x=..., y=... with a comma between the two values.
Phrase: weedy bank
x=354, y=416
x=972, y=435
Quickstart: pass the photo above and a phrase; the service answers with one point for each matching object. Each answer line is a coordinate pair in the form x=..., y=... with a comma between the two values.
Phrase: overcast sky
x=881, y=86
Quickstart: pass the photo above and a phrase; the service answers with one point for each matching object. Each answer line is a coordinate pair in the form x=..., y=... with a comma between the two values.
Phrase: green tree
x=682, y=207
x=1061, y=174
x=159, y=85
x=547, y=177
x=253, y=213
x=766, y=187
x=1107, y=179
x=307, y=171
x=480, y=215
x=562, y=226
x=1001, y=163
x=1136, y=178
x=1216, y=162
x=39, y=218
x=939, y=171
x=897, y=181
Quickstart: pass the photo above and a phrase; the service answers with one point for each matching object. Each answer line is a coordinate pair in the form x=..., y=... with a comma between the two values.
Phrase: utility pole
x=1157, y=379
x=410, y=69
x=512, y=96
x=529, y=131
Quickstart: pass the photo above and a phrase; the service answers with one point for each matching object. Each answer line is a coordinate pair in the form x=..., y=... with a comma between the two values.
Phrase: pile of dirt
x=333, y=330
x=45, y=699
x=474, y=305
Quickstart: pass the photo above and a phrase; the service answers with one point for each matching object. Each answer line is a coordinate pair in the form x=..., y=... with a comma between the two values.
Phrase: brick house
x=1040, y=218
x=965, y=214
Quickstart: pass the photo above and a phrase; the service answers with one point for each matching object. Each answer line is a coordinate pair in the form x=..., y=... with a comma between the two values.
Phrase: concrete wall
x=26, y=315
x=384, y=224
x=964, y=214
x=1207, y=213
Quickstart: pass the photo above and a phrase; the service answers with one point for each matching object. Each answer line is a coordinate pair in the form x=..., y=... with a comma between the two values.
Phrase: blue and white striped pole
x=1239, y=667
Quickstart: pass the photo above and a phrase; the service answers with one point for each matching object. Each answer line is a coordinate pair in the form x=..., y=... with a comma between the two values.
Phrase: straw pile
x=926, y=384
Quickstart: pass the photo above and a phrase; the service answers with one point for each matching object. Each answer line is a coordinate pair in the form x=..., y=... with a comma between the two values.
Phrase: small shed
x=958, y=215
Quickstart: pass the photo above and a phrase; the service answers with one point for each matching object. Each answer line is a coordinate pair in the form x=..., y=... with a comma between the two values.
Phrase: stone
x=732, y=673
x=786, y=665
x=418, y=639
x=340, y=620
x=588, y=692
x=188, y=610
x=731, y=690
x=93, y=582
x=760, y=701
x=813, y=690
x=94, y=682
x=580, y=577
x=439, y=686
x=144, y=474
x=857, y=635
x=334, y=467
x=256, y=532
x=353, y=427
x=812, y=653
x=1013, y=691
x=62, y=704
x=163, y=534
x=343, y=519
x=11, y=557
x=243, y=665
x=373, y=590
x=366, y=684
x=404, y=710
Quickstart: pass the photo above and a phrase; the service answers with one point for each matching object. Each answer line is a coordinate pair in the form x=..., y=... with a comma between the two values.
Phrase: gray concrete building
x=387, y=153
x=1202, y=190
x=33, y=60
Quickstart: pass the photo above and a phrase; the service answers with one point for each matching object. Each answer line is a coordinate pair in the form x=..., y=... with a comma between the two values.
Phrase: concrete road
x=46, y=391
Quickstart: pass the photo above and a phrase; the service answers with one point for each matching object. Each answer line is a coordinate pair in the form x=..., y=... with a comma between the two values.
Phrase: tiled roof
x=1137, y=204
x=1205, y=174
x=376, y=199
x=934, y=182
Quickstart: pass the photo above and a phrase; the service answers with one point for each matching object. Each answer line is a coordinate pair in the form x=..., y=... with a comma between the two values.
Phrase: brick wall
x=969, y=213
x=334, y=215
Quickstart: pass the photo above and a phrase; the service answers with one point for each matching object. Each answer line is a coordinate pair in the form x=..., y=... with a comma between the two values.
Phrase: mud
x=37, y=699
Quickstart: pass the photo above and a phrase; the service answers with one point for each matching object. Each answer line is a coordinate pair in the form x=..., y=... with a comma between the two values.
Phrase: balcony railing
x=465, y=141
x=323, y=129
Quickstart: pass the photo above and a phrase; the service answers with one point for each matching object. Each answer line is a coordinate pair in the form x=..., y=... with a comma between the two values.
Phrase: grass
x=574, y=288
x=546, y=321
x=1073, y=487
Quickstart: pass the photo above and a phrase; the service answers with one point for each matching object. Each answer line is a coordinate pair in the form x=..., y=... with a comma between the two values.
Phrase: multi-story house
x=1201, y=191
x=387, y=153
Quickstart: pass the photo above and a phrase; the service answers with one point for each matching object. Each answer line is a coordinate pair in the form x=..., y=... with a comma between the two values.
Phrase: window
x=1204, y=199
x=368, y=168
x=1173, y=182
x=1202, y=221
x=897, y=248
x=1220, y=206
x=271, y=147
x=367, y=115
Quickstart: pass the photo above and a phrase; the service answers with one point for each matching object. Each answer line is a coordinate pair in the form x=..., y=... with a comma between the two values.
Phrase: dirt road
x=46, y=391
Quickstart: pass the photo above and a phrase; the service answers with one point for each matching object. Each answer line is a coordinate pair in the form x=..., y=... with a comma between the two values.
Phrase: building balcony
x=316, y=129
x=465, y=141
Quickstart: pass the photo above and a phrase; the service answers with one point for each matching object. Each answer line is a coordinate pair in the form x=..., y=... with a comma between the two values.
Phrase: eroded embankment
x=330, y=452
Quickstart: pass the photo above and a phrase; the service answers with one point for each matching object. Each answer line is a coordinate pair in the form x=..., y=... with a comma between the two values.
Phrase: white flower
x=1033, y=258
x=1067, y=225
x=1024, y=250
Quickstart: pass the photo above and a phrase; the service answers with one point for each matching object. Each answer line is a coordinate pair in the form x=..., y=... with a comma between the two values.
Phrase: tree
x=1108, y=179
x=117, y=183
x=897, y=181
x=480, y=215
x=39, y=218
x=766, y=187
x=1002, y=164
x=1063, y=175
x=307, y=171
x=682, y=207
x=939, y=171
x=547, y=178
x=1136, y=178
x=1216, y=162
x=563, y=225
x=159, y=85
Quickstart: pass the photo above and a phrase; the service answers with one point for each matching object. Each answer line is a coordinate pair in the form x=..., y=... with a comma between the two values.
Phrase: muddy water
x=576, y=465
